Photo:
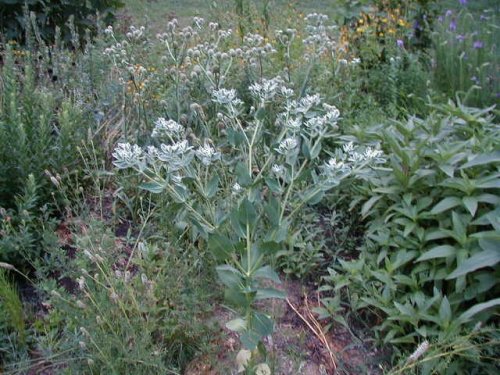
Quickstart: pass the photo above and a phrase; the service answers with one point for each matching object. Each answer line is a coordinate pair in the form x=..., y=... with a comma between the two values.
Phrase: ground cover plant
x=270, y=189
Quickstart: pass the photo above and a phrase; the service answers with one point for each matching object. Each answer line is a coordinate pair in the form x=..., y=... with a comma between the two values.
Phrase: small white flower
x=236, y=188
x=348, y=147
x=332, y=114
x=287, y=146
x=373, y=154
x=278, y=169
x=333, y=166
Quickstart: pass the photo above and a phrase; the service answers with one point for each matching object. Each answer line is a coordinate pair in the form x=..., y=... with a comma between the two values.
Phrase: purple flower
x=462, y=2
x=460, y=37
x=400, y=43
x=475, y=80
x=440, y=18
x=453, y=25
x=448, y=13
x=478, y=44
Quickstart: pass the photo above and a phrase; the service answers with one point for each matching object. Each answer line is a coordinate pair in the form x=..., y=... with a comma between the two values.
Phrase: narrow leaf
x=442, y=251
x=468, y=314
x=487, y=258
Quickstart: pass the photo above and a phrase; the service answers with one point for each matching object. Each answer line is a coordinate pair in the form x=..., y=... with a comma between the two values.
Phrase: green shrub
x=44, y=117
x=138, y=312
x=12, y=324
x=73, y=17
x=428, y=268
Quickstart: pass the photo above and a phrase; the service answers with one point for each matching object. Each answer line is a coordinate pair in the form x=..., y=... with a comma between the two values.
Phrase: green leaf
x=250, y=339
x=265, y=293
x=482, y=159
x=489, y=183
x=235, y=223
x=447, y=169
x=315, y=150
x=490, y=244
x=369, y=204
x=272, y=210
x=242, y=175
x=234, y=137
x=153, y=187
x=237, y=325
x=262, y=324
x=442, y=251
x=267, y=272
x=212, y=186
x=471, y=204
x=445, y=311
x=445, y=205
x=220, y=246
x=468, y=314
x=247, y=213
x=229, y=276
x=486, y=258
x=273, y=184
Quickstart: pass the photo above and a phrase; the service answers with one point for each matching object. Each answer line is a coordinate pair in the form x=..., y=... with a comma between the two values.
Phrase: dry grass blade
x=313, y=324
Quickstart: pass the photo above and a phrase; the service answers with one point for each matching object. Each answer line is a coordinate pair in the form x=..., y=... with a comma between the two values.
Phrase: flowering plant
x=243, y=179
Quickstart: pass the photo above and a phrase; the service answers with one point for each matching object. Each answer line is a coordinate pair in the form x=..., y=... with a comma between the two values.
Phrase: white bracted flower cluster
x=350, y=158
x=176, y=156
x=207, y=154
x=127, y=156
x=267, y=89
x=287, y=146
x=167, y=128
x=226, y=97
x=309, y=111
